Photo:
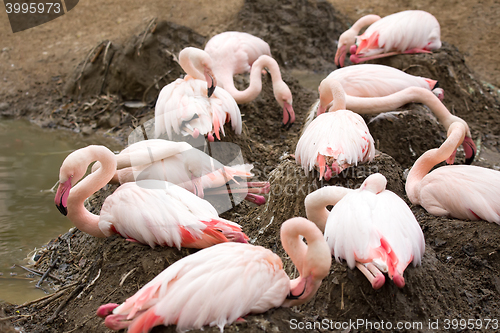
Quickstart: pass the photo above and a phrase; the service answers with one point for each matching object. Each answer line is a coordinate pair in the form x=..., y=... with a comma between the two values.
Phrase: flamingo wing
x=214, y=286
x=406, y=30
x=159, y=213
x=372, y=80
x=342, y=135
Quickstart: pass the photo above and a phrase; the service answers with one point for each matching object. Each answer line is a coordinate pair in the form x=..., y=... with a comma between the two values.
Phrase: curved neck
x=372, y=105
x=313, y=260
x=255, y=86
x=194, y=61
x=363, y=22
x=430, y=158
x=77, y=213
x=330, y=90
x=317, y=201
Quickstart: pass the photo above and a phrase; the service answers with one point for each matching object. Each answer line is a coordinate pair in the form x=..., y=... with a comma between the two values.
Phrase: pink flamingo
x=374, y=105
x=406, y=32
x=335, y=140
x=371, y=80
x=460, y=191
x=184, y=108
x=371, y=228
x=149, y=212
x=234, y=53
x=218, y=285
x=181, y=164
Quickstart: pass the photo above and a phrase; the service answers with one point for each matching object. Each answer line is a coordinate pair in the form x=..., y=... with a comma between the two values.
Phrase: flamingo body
x=460, y=191
x=410, y=31
x=150, y=212
x=183, y=108
x=368, y=227
x=218, y=285
x=372, y=80
x=234, y=52
x=335, y=140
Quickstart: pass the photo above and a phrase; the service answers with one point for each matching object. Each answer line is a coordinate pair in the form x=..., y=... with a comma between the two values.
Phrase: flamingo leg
x=373, y=274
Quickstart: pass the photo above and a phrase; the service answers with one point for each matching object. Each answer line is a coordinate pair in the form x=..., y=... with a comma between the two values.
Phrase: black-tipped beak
x=292, y=296
x=210, y=89
x=62, y=194
x=62, y=209
x=469, y=150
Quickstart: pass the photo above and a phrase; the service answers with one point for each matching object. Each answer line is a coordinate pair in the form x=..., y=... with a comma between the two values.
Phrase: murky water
x=308, y=79
x=30, y=158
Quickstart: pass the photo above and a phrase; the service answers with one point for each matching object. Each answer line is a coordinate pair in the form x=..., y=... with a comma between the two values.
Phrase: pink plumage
x=335, y=140
x=186, y=107
x=220, y=284
x=234, y=53
x=181, y=164
x=370, y=228
x=371, y=80
x=410, y=31
x=460, y=191
x=150, y=212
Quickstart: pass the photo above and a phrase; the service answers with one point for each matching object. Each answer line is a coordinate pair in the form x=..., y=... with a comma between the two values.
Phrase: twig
x=145, y=34
x=369, y=304
x=33, y=271
x=152, y=85
x=44, y=297
x=13, y=317
x=85, y=64
x=99, y=50
x=54, y=262
x=80, y=325
x=342, y=293
x=122, y=281
x=90, y=284
x=63, y=303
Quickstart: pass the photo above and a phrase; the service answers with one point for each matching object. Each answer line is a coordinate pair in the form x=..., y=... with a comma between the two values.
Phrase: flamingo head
x=469, y=149
x=375, y=183
x=346, y=41
x=211, y=80
x=72, y=170
x=283, y=95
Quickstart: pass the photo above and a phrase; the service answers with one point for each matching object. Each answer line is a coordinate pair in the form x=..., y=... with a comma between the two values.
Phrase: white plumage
x=338, y=139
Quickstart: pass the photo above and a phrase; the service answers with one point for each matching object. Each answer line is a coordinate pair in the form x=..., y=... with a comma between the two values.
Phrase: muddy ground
x=459, y=276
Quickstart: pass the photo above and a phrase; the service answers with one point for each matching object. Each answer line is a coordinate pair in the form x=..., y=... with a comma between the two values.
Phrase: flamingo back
x=214, y=286
x=401, y=31
x=342, y=135
x=463, y=192
x=371, y=80
x=170, y=216
x=363, y=225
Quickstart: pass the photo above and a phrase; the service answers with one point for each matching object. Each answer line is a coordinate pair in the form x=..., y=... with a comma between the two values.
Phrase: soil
x=111, y=86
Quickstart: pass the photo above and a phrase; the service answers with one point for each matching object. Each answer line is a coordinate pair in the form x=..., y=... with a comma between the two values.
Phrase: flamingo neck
x=255, y=87
x=77, y=213
x=332, y=93
x=312, y=260
x=430, y=158
x=317, y=201
x=193, y=61
x=363, y=22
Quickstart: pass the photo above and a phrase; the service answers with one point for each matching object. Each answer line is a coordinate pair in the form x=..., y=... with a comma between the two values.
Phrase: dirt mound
x=459, y=273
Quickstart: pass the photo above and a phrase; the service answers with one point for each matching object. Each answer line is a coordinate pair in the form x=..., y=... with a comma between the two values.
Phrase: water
x=30, y=158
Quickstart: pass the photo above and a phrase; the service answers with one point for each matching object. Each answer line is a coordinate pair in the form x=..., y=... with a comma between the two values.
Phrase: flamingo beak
x=469, y=149
x=211, y=82
x=62, y=194
x=288, y=115
x=340, y=56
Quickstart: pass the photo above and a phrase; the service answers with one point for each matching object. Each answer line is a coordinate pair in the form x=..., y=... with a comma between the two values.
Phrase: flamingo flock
x=160, y=200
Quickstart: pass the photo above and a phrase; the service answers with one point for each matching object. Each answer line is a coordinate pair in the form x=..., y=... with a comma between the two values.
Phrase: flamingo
x=186, y=106
x=181, y=164
x=371, y=228
x=218, y=285
x=149, y=212
x=372, y=80
x=459, y=191
x=406, y=32
x=234, y=53
x=335, y=140
x=374, y=105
